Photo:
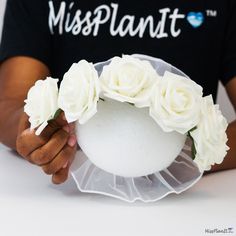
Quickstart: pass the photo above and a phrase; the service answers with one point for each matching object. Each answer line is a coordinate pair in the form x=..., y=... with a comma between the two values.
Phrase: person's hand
x=53, y=150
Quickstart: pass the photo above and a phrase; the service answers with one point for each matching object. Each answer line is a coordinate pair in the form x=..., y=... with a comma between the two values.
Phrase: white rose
x=79, y=92
x=175, y=103
x=128, y=79
x=41, y=103
x=210, y=137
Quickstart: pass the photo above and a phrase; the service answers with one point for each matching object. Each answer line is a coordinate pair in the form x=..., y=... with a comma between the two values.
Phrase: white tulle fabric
x=178, y=177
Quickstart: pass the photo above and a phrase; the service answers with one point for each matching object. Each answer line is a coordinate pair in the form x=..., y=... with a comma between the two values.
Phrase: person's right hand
x=53, y=150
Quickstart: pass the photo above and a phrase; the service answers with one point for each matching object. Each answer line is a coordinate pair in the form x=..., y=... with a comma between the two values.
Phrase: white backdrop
x=223, y=100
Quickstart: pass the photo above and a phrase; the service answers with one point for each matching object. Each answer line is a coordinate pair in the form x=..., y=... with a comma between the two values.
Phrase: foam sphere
x=124, y=140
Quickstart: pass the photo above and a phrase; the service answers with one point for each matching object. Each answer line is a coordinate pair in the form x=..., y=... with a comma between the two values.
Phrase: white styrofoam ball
x=124, y=140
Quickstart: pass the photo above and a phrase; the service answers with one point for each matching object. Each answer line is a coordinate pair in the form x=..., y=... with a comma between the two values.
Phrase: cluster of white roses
x=176, y=103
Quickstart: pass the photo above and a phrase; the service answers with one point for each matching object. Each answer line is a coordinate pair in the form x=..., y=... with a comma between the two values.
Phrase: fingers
x=27, y=141
x=50, y=150
x=59, y=161
x=59, y=167
x=61, y=176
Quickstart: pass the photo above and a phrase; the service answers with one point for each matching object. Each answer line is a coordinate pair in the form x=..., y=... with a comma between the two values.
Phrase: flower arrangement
x=176, y=103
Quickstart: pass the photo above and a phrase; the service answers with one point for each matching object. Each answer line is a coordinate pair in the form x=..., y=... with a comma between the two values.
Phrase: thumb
x=59, y=120
x=54, y=125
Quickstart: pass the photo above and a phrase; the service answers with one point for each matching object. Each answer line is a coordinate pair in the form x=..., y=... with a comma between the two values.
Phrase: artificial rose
x=79, y=92
x=41, y=103
x=210, y=137
x=175, y=103
x=128, y=79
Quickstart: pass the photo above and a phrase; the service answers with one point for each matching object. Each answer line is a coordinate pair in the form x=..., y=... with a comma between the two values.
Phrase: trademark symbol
x=211, y=13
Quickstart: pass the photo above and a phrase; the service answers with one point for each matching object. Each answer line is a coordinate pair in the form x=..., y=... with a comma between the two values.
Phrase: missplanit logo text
x=90, y=22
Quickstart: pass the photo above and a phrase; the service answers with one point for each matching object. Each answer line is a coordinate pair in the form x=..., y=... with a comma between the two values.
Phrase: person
x=44, y=37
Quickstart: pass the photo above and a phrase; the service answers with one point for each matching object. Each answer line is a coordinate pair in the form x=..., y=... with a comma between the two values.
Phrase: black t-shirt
x=198, y=37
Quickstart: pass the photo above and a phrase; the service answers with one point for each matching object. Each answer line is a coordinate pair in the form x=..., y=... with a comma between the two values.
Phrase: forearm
x=9, y=122
x=17, y=76
x=230, y=159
